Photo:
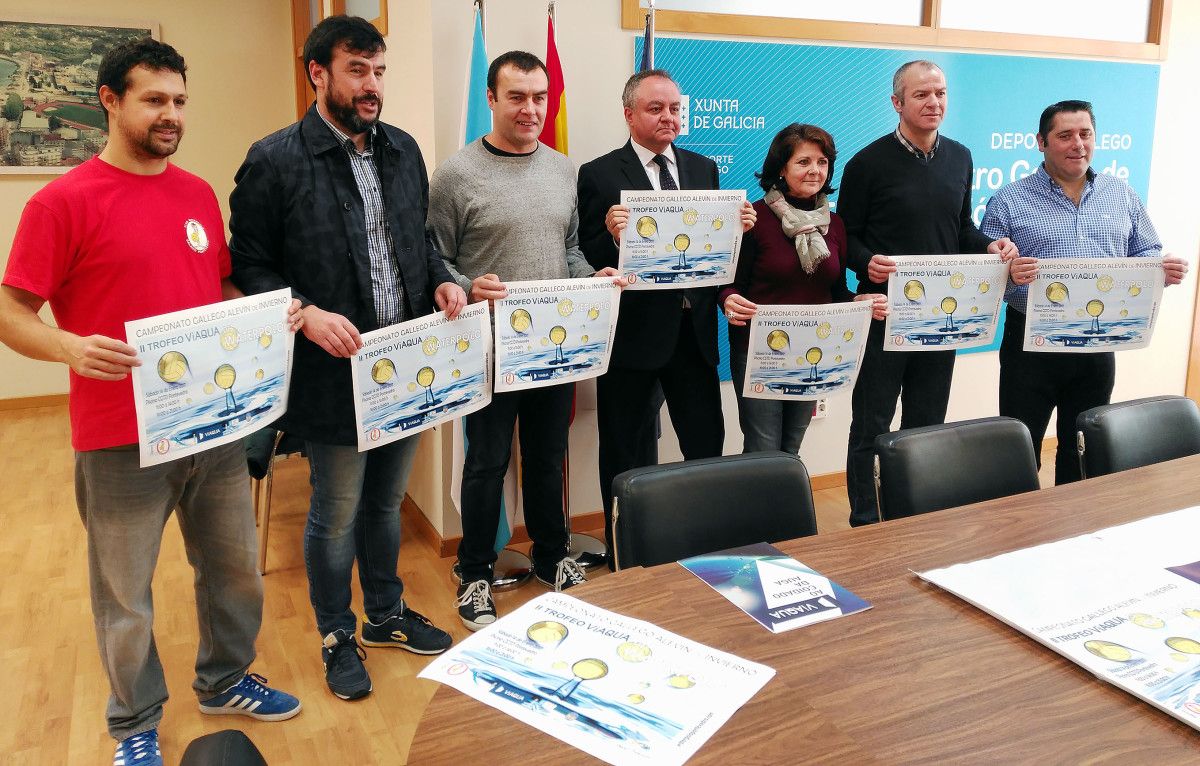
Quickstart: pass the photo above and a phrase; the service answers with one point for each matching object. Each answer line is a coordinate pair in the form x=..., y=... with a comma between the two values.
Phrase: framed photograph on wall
x=50, y=116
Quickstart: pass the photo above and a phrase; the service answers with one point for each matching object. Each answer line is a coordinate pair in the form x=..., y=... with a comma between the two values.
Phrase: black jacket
x=297, y=220
x=648, y=323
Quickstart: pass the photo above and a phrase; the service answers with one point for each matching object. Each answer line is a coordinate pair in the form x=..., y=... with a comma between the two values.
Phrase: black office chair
x=1124, y=435
x=664, y=513
x=229, y=747
x=262, y=447
x=919, y=470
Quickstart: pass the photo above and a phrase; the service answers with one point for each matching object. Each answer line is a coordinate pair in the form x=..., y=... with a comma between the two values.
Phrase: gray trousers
x=124, y=509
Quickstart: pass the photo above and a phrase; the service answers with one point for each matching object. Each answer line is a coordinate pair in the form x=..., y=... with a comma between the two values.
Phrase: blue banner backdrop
x=738, y=95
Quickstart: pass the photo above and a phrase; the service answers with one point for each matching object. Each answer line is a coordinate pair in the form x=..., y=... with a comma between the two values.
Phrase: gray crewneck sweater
x=515, y=217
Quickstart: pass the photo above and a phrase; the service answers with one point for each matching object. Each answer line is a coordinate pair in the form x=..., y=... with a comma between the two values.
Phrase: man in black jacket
x=664, y=338
x=333, y=207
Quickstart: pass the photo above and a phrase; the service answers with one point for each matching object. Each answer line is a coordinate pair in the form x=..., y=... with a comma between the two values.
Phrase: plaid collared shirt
x=1036, y=214
x=922, y=156
x=385, y=274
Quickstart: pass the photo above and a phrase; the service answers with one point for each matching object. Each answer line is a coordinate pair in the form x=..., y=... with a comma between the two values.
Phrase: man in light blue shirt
x=1064, y=210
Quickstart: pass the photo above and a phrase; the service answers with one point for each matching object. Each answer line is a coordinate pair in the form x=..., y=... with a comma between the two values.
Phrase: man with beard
x=333, y=207
x=128, y=235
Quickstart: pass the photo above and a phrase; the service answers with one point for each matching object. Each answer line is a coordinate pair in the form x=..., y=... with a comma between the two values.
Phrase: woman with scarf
x=795, y=254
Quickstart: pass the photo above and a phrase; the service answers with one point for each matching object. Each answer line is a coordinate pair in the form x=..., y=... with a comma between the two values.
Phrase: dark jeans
x=544, y=418
x=355, y=514
x=767, y=424
x=1034, y=383
x=920, y=379
x=626, y=421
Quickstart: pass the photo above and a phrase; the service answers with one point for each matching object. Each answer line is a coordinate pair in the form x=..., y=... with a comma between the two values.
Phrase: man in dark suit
x=664, y=338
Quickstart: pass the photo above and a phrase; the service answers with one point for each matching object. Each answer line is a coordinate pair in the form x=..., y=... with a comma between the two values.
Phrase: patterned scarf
x=806, y=227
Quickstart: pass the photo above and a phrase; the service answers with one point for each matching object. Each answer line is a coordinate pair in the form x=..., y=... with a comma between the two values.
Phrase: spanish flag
x=554, y=134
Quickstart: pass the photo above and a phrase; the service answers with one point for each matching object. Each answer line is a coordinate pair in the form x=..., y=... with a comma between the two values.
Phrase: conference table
x=921, y=677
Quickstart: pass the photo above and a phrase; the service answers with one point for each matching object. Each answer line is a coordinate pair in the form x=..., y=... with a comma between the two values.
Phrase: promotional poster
x=1089, y=305
x=414, y=375
x=210, y=375
x=944, y=302
x=805, y=352
x=1123, y=603
x=681, y=238
x=618, y=688
x=554, y=331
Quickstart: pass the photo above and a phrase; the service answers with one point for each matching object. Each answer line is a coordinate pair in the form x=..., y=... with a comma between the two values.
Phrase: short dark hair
x=1071, y=105
x=148, y=52
x=356, y=35
x=783, y=146
x=521, y=60
x=631, y=85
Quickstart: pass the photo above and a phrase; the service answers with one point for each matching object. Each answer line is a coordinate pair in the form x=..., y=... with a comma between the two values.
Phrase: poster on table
x=1123, y=603
x=554, y=331
x=1089, y=305
x=618, y=688
x=805, y=352
x=773, y=588
x=944, y=302
x=681, y=238
x=417, y=374
x=210, y=375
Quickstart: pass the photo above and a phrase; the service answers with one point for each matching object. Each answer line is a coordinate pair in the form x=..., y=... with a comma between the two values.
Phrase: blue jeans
x=124, y=509
x=355, y=513
x=767, y=424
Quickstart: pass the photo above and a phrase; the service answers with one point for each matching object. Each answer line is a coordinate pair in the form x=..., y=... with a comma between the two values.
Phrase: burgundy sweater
x=769, y=270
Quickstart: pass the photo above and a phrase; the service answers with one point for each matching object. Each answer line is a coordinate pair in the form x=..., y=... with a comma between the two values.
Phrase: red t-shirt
x=104, y=246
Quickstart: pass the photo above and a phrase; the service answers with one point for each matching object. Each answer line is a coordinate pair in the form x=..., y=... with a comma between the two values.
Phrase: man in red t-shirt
x=125, y=236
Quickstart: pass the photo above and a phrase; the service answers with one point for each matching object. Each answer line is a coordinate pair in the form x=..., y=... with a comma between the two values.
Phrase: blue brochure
x=778, y=591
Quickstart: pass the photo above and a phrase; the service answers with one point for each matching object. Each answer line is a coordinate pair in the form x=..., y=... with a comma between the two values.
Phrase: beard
x=153, y=146
x=345, y=113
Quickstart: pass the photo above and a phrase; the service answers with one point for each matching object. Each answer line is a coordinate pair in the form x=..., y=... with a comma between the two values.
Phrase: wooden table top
x=923, y=676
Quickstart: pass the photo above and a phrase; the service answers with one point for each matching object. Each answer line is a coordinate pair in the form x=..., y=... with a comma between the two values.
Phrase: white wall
x=597, y=57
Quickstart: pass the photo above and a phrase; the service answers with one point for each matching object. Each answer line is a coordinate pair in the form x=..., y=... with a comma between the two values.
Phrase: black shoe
x=344, y=671
x=476, y=608
x=409, y=630
x=560, y=576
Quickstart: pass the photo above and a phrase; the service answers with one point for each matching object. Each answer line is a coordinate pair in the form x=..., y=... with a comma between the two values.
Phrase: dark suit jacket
x=297, y=220
x=648, y=323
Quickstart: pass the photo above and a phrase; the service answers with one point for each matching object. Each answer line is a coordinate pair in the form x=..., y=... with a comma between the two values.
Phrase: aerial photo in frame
x=50, y=117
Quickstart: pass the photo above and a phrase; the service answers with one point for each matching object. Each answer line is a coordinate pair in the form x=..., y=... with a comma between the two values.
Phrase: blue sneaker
x=139, y=750
x=251, y=696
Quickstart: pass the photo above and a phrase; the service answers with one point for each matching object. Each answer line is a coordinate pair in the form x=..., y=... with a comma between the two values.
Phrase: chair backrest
x=663, y=513
x=919, y=470
x=1124, y=435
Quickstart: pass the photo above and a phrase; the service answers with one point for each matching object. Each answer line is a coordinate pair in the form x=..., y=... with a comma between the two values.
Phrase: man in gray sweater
x=504, y=208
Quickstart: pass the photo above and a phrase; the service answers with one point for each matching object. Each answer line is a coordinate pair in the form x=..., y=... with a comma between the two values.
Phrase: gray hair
x=631, y=85
x=898, y=78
